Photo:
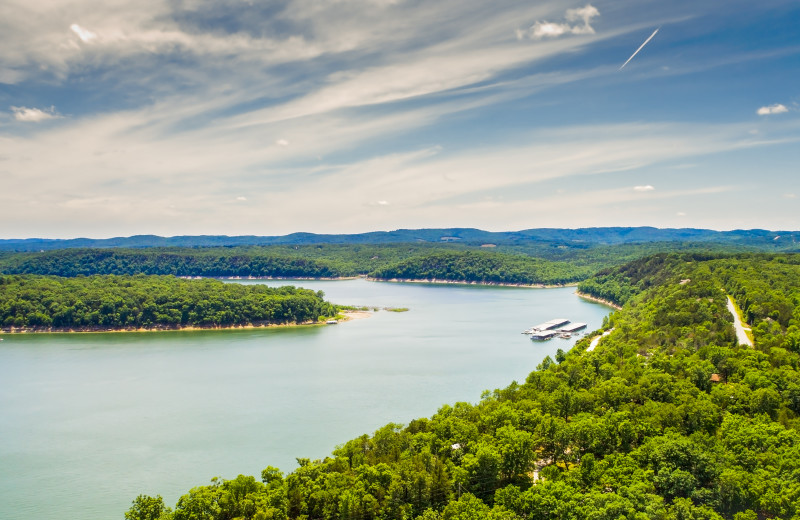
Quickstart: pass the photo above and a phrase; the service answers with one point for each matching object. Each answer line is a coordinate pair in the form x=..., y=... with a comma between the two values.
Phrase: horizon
x=396, y=230
x=234, y=118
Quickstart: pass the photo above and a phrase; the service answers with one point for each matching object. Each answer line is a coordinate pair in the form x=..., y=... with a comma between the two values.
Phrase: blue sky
x=244, y=117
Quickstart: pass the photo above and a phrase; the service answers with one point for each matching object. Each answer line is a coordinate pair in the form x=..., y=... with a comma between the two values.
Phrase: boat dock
x=543, y=335
x=556, y=327
x=552, y=324
x=572, y=327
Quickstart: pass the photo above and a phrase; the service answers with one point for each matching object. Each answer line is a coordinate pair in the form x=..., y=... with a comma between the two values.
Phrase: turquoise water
x=87, y=422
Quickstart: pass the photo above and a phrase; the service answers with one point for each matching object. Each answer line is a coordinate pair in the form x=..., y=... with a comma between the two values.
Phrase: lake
x=89, y=421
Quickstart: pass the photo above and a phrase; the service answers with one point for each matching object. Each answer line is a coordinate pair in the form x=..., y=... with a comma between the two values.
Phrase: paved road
x=741, y=335
x=597, y=339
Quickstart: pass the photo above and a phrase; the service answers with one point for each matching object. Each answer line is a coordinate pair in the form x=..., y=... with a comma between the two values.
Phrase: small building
x=714, y=378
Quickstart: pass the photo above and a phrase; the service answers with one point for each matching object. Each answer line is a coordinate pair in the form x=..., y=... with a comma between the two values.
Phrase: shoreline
x=464, y=282
x=303, y=278
x=598, y=300
x=389, y=280
x=347, y=316
x=356, y=315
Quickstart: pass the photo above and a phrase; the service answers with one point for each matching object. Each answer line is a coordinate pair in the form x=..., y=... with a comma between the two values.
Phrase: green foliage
x=613, y=237
x=131, y=302
x=418, y=261
x=482, y=267
x=635, y=429
x=526, y=257
x=148, y=508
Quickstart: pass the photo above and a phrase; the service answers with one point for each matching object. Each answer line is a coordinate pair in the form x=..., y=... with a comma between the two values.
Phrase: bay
x=89, y=421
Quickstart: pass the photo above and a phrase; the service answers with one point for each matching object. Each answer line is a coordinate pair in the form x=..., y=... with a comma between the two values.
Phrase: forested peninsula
x=666, y=418
x=30, y=303
x=132, y=289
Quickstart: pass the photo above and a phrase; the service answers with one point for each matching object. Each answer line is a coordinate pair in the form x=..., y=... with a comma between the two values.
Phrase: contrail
x=640, y=48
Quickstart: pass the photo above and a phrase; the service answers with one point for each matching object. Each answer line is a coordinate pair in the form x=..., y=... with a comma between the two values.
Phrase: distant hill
x=762, y=239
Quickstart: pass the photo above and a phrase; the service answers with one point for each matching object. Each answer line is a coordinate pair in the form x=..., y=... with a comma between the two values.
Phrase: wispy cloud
x=34, y=115
x=380, y=105
x=777, y=108
x=643, y=188
x=182, y=181
x=544, y=29
x=227, y=37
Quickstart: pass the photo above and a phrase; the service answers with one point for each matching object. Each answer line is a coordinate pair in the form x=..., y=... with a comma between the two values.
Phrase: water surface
x=89, y=421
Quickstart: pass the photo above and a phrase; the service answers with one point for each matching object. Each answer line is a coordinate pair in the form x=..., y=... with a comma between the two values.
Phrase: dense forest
x=482, y=267
x=534, y=263
x=666, y=418
x=109, y=302
x=582, y=237
x=396, y=261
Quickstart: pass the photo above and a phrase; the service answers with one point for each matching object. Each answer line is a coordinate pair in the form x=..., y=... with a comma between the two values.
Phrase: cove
x=89, y=421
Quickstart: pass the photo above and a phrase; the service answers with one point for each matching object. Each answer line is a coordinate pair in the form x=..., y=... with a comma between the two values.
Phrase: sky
x=241, y=117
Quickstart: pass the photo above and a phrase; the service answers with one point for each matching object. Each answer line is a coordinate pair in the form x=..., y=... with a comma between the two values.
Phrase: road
x=741, y=331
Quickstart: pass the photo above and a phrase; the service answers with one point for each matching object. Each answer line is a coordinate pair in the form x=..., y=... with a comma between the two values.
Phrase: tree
x=147, y=508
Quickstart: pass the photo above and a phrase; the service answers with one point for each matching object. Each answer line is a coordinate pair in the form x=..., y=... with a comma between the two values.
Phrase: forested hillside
x=482, y=267
x=764, y=239
x=50, y=303
x=534, y=263
x=666, y=418
x=320, y=261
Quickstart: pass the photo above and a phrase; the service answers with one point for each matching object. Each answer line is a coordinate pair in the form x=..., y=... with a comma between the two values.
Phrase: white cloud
x=542, y=29
x=680, y=214
x=445, y=53
x=777, y=108
x=122, y=161
x=789, y=196
x=84, y=34
x=34, y=115
x=643, y=188
x=250, y=41
x=583, y=13
x=224, y=115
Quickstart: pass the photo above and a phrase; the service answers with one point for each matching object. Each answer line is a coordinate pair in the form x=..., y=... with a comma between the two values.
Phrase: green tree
x=147, y=508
